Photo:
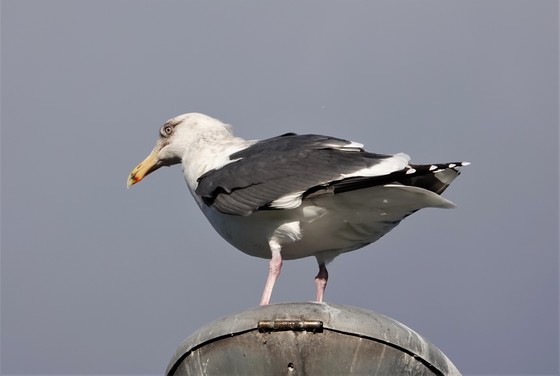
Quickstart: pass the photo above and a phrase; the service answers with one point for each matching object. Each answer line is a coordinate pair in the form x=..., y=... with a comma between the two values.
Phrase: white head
x=176, y=137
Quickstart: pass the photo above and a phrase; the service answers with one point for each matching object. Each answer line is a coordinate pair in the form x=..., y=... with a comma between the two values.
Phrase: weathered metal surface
x=287, y=339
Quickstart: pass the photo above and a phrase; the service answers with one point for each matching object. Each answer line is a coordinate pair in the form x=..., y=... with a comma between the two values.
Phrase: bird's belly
x=331, y=233
x=249, y=234
x=339, y=231
x=326, y=225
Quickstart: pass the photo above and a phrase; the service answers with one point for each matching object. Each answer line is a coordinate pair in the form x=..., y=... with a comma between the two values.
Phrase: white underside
x=324, y=226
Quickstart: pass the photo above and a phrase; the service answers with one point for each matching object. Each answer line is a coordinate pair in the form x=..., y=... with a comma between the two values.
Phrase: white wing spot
x=289, y=201
x=395, y=163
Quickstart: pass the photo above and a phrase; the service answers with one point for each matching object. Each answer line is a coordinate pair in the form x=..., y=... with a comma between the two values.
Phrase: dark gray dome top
x=308, y=339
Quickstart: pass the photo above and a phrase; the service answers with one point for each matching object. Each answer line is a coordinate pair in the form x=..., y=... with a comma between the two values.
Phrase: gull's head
x=176, y=136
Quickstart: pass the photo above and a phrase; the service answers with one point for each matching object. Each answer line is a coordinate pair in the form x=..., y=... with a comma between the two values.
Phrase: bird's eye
x=166, y=130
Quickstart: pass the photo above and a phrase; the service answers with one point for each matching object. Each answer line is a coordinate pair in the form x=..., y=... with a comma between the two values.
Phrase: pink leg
x=274, y=268
x=321, y=281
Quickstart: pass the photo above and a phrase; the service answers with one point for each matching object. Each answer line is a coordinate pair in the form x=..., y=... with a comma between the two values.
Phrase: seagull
x=294, y=196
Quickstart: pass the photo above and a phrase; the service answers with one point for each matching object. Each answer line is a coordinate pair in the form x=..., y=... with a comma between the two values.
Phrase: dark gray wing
x=278, y=167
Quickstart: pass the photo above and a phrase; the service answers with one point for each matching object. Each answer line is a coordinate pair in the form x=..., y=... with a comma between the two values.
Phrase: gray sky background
x=98, y=279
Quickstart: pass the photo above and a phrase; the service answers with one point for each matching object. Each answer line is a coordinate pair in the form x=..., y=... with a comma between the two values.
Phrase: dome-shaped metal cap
x=308, y=339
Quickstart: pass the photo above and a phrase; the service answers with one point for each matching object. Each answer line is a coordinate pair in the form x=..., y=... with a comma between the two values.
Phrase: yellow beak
x=144, y=168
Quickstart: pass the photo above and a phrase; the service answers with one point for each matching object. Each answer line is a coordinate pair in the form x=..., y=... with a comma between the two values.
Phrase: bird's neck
x=209, y=153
